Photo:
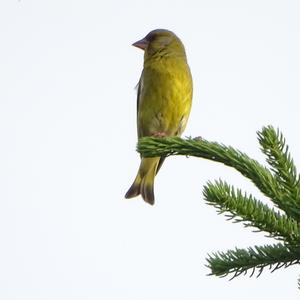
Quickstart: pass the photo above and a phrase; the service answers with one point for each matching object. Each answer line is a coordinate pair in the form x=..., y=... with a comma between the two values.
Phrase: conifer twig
x=250, y=168
x=239, y=261
x=282, y=165
x=280, y=183
x=246, y=209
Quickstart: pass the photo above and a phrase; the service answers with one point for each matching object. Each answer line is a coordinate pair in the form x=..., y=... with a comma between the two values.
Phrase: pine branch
x=250, y=168
x=239, y=261
x=281, y=184
x=282, y=165
x=246, y=209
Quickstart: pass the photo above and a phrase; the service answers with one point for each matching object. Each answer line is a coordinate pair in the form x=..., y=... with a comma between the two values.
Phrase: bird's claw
x=198, y=138
x=159, y=134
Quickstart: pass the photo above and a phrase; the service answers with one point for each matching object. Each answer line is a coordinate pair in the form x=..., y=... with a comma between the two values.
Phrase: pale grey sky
x=68, y=136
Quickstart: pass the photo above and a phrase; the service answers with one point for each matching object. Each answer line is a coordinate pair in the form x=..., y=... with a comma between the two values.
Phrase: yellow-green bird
x=164, y=100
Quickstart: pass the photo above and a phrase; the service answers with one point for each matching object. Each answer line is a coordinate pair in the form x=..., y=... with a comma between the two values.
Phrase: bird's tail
x=144, y=180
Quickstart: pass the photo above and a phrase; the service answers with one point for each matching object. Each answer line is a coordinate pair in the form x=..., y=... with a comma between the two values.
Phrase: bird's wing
x=138, y=88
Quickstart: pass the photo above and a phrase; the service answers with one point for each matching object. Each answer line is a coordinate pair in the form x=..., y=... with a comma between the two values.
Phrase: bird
x=164, y=99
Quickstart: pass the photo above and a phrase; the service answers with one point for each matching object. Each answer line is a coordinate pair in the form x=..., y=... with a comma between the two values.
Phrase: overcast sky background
x=68, y=137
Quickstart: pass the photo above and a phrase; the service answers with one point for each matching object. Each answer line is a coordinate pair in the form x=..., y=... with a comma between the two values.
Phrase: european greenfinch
x=164, y=100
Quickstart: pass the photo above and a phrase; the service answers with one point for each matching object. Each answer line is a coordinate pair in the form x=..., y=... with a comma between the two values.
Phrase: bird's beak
x=142, y=44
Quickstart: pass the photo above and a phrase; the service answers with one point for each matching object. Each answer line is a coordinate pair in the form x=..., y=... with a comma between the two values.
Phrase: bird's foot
x=198, y=138
x=159, y=134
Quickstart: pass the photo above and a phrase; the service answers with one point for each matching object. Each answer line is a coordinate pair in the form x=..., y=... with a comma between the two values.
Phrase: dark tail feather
x=135, y=188
x=141, y=187
x=147, y=192
x=144, y=181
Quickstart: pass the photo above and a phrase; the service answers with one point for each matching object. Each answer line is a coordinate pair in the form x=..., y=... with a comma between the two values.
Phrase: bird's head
x=160, y=42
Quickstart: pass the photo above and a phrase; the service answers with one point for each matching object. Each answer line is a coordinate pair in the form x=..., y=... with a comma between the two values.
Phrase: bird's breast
x=165, y=97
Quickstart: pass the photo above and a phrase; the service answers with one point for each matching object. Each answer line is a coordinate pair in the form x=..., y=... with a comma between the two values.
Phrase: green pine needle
x=239, y=261
x=278, y=156
x=280, y=183
x=263, y=178
x=251, y=212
